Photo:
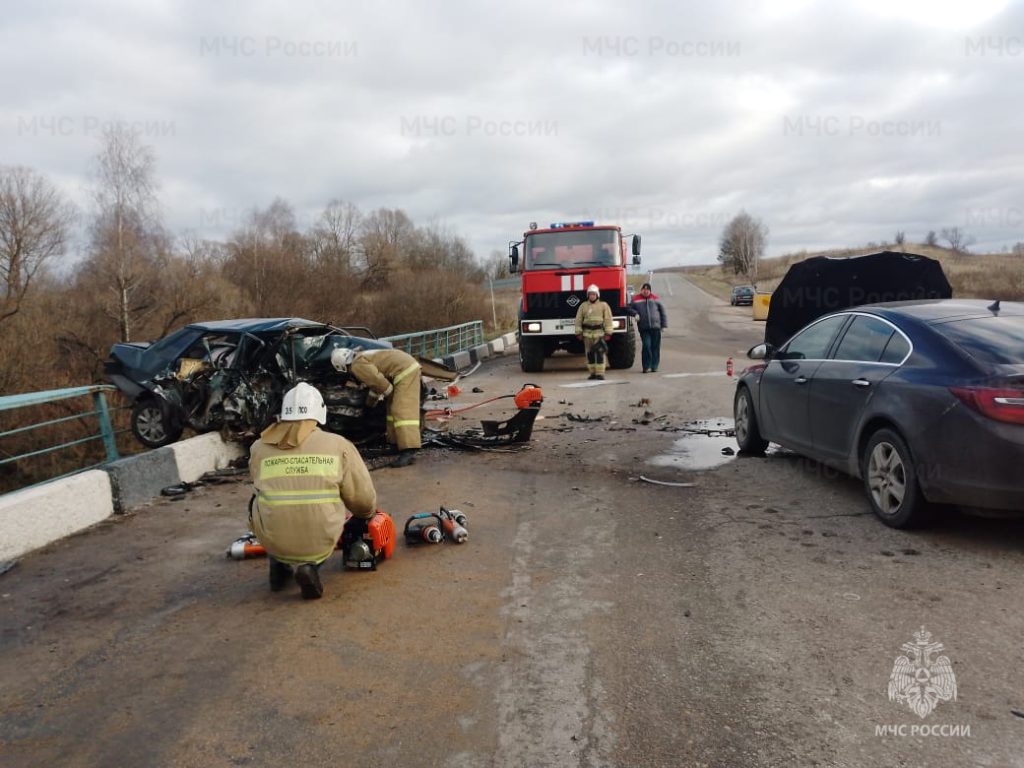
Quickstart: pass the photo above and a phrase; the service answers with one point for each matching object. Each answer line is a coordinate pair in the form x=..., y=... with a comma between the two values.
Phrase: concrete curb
x=34, y=517
x=498, y=346
x=37, y=516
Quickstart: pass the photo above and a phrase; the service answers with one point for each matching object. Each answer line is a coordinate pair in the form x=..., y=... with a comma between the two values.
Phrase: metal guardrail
x=105, y=428
x=440, y=342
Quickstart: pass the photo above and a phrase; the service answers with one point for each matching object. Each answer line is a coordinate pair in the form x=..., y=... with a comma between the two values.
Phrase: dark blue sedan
x=922, y=400
x=231, y=374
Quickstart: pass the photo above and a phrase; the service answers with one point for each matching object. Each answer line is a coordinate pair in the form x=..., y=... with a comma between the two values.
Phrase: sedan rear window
x=993, y=339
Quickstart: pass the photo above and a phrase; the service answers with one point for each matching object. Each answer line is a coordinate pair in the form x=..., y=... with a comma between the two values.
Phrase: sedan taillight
x=999, y=404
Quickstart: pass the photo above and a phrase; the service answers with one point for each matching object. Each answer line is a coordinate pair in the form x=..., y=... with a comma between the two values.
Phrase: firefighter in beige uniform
x=305, y=479
x=594, y=325
x=393, y=376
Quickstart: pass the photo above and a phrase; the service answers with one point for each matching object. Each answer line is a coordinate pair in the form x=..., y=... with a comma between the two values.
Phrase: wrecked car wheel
x=151, y=426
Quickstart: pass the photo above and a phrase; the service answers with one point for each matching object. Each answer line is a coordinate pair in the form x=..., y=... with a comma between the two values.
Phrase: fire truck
x=558, y=263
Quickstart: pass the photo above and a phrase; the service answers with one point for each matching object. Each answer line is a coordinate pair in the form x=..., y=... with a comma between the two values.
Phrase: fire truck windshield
x=575, y=248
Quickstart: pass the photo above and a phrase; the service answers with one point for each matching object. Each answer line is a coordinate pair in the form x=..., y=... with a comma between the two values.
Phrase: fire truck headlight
x=618, y=323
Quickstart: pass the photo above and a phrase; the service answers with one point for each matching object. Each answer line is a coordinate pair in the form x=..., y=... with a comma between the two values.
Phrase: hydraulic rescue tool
x=435, y=527
x=423, y=528
x=453, y=523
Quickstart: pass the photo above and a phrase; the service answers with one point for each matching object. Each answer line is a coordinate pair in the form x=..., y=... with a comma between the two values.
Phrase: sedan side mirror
x=760, y=352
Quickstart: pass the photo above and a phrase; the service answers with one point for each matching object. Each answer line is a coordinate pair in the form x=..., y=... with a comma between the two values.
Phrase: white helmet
x=303, y=401
x=593, y=289
x=342, y=358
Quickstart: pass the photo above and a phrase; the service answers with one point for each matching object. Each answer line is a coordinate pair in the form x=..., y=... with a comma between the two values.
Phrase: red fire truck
x=558, y=263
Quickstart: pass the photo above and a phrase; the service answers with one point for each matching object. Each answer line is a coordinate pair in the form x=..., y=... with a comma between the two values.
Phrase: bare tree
x=34, y=224
x=385, y=238
x=900, y=238
x=742, y=245
x=957, y=239
x=931, y=238
x=126, y=224
x=334, y=239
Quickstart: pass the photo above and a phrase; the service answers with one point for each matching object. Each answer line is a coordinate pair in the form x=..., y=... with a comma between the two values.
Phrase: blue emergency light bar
x=563, y=225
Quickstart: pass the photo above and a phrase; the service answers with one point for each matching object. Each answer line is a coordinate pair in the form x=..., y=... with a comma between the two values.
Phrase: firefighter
x=393, y=376
x=304, y=480
x=594, y=326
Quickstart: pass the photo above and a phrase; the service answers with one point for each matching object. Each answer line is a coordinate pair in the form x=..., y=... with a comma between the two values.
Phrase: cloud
x=667, y=119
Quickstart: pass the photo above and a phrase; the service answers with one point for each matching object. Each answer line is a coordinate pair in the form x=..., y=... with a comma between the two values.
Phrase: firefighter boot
x=308, y=577
x=405, y=458
x=279, y=575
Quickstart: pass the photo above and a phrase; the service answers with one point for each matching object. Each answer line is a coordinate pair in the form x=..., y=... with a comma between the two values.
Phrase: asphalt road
x=593, y=618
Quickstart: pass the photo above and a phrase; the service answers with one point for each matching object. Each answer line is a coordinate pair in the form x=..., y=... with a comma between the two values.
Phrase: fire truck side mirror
x=636, y=248
x=513, y=257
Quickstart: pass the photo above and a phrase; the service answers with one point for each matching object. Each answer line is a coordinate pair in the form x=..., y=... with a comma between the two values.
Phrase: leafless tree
x=742, y=244
x=334, y=239
x=900, y=238
x=931, y=238
x=385, y=237
x=957, y=239
x=497, y=265
x=34, y=224
x=127, y=224
x=265, y=256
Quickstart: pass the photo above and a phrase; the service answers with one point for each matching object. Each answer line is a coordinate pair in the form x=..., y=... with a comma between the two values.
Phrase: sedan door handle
x=861, y=383
x=800, y=380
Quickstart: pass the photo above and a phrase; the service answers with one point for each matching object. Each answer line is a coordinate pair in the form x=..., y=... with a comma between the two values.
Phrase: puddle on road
x=702, y=447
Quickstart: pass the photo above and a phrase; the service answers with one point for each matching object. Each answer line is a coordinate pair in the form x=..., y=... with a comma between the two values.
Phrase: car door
x=784, y=384
x=869, y=350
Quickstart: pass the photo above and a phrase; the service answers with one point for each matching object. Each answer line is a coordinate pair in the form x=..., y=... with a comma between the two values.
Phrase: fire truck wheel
x=531, y=355
x=622, y=349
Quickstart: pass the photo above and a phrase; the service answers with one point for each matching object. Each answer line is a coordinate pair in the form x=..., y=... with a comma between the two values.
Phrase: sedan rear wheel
x=891, y=481
x=151, y=426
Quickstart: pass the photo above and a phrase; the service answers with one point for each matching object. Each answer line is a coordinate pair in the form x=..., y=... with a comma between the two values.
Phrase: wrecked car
x=230, y=375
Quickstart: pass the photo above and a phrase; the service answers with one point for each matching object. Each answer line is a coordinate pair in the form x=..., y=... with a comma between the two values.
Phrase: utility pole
x=494, y=311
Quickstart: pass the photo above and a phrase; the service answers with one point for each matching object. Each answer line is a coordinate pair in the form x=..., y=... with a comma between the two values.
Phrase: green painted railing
x=440, y=342
x=100, y=411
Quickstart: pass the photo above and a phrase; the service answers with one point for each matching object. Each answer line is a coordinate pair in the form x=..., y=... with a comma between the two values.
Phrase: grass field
x=981, y=276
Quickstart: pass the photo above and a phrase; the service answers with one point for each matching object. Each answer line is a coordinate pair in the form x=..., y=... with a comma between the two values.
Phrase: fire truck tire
x=622, y=349
x=531, y=355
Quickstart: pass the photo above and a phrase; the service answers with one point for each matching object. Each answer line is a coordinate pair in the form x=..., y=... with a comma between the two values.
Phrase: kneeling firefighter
x=594, y=326
x=305, y=479
x=393, y=376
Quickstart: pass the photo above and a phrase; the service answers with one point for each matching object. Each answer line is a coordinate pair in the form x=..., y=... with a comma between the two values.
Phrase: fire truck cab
x=557, y=265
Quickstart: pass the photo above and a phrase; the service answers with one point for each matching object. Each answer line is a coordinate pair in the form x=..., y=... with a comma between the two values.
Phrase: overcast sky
x=836, y=123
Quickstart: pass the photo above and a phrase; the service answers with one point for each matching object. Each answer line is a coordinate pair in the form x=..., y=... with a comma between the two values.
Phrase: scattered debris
x=477, y=390
x=583, y=419
x=727, y=451
x=666, y=482
x=643, y=402
x=6, y=565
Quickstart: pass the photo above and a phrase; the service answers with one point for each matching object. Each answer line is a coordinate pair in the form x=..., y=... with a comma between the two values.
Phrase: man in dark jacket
x=651, y=320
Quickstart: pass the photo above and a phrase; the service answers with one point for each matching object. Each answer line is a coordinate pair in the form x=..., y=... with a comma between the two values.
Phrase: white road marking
x=582, y=384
